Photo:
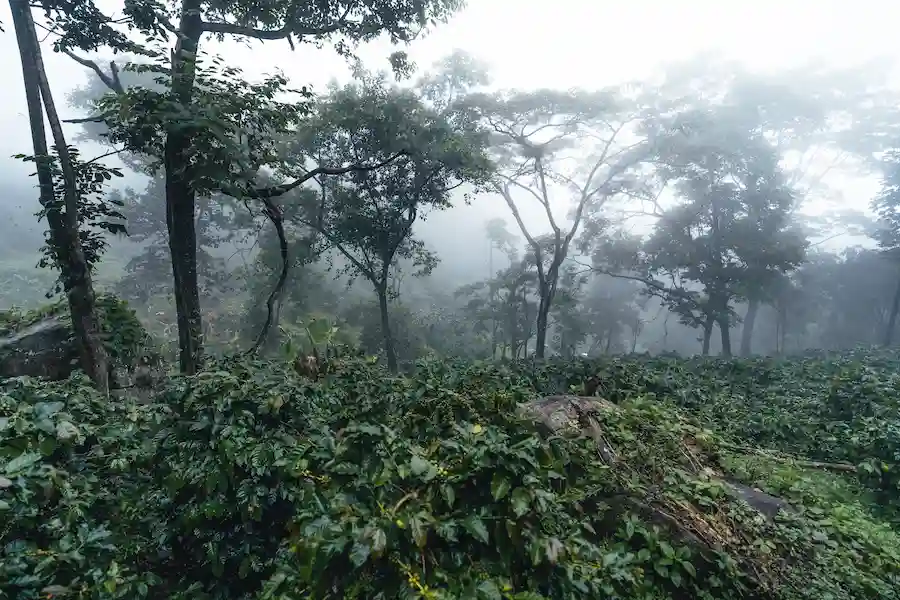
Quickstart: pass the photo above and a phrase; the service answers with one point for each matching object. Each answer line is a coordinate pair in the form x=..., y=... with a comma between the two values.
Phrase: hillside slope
x=687, y=479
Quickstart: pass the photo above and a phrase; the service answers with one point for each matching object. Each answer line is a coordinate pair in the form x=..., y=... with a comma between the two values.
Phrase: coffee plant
x=703, y=479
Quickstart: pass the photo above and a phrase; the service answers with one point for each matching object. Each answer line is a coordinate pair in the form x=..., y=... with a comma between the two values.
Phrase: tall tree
x=368, y=216
x=887, y=208
x=729, y=228
x=579, y=141
x=65, y=234
x=205, y=129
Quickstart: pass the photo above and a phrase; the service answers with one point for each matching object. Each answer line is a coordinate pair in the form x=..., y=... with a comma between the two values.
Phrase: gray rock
x=44, y=349
x=766, y=504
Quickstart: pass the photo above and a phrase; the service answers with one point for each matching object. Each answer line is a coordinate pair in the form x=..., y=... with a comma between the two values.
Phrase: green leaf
x=629, y=529
x=23, y=461
x=499, y=486
x=418, y=465
x=423, y=468
x=667, y=549
x=359, y=553
x=689, y=568
x=488, y=590
x=521, y=501
x=379, y=540
x=419, y=530
x=449, y=494
x=476, y=527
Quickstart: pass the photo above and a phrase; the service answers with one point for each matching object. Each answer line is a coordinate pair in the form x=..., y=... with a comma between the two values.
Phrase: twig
x=840, y=467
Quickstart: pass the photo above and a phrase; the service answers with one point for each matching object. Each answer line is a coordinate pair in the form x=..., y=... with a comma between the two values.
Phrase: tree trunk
x=542, y=317
x=749, y=322
x=180, y=196
x=547, y=289
x=707, y=336
x=892, y=320
x=513, y=334
x=389, y=351
x=64, y=229
x=725, y=332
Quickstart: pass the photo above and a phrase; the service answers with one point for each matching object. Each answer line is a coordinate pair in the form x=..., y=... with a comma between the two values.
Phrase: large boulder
x=41, y=343
x=44, y=348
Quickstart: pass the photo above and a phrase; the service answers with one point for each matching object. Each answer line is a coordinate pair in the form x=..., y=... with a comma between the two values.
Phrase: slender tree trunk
x=389, y=351
x=542, y=320
x=64, y=228
x=180, y=196
x=513, y=335
x=725, y=332
x=707, y=335
x=749, y=322
x=892, y=320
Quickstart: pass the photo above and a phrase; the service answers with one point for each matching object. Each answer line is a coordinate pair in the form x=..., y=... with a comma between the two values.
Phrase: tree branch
x=279, y=190
x=111, y=81
x=290, y=28
x=273, y=213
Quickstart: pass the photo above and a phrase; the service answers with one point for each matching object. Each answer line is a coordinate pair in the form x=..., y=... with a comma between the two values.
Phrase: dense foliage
x=250, y=481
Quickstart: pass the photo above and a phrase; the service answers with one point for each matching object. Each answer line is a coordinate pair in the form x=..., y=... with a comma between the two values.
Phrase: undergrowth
x=249, y=481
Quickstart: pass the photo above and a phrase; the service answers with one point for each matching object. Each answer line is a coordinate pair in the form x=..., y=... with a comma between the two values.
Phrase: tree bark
x=64, y=228
x=542, y=319
x=389, y=351
x=749, y=322
x=707, y=336
x=725, y=332
x=180, y=196
x=892, y=320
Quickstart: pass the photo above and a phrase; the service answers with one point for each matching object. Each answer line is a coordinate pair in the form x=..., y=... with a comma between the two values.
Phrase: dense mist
x=700, y=205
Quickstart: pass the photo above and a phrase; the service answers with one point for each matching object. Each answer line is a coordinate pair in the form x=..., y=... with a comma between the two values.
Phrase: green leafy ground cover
x=249, y=481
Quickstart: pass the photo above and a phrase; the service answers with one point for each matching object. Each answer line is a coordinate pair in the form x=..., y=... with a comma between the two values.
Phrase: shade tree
x=556, y=148
x=368, y=217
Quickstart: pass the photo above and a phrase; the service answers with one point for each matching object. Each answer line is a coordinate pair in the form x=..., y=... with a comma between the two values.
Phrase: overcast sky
x=539, y=43
x=563, y=43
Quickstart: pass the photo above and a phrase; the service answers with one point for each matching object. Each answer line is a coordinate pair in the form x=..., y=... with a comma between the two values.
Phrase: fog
x=835, y=64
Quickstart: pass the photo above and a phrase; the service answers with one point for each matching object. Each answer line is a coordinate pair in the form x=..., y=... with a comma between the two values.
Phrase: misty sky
x=534, y=43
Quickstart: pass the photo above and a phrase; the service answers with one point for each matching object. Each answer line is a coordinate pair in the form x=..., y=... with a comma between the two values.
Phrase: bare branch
x=279, y=190
x=111, y=81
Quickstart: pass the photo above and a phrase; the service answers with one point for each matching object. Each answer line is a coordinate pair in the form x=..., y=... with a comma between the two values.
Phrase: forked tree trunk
x=64, y=228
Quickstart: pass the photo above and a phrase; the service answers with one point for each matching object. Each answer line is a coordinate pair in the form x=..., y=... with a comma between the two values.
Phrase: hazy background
x=526, y=44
